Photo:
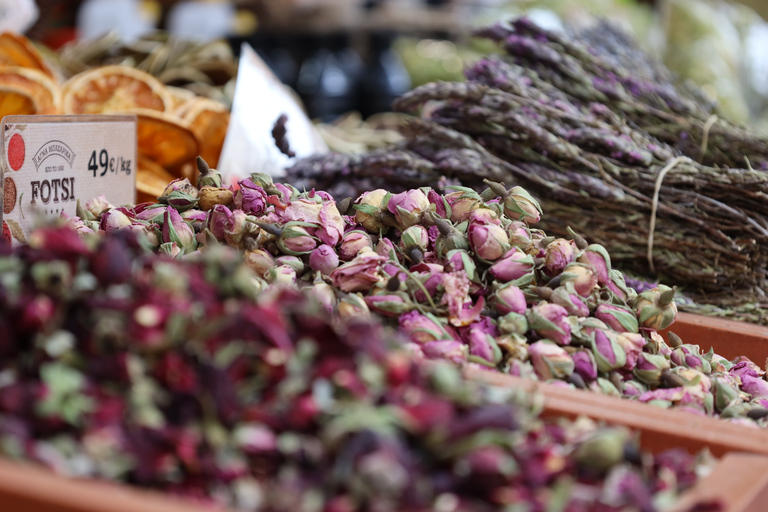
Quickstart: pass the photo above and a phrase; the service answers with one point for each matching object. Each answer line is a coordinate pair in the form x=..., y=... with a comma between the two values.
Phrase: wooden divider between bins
x=660, y=429
x=729, y=338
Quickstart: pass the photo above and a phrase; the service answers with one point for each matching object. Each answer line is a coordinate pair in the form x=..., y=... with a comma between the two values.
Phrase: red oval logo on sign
x=16, y=152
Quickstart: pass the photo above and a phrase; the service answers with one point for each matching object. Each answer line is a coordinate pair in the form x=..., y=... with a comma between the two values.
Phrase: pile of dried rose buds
x=463, y=274
x=122, y=364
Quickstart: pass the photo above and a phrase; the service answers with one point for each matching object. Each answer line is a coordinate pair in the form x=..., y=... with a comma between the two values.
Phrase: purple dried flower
x=558, y=254
x=509, y=299
x=755, y=386
x=581, y=276
x=618, y=318
x=550, y=361
x=489, y=242
x=352, y=243
x=251, y=198
x=513, y=265
x=454, y=351
x=607, y=350
x=408, y=207
x=585, y=364
x=324, y=259
x=360, y=274
x=176, y=230
x=550, y=321
x=421, y=328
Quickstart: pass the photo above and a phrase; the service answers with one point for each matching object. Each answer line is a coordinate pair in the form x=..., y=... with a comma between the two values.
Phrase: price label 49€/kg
x=51, y=162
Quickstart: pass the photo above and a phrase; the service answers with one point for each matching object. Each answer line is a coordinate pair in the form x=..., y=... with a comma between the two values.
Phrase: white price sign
x=49, y=162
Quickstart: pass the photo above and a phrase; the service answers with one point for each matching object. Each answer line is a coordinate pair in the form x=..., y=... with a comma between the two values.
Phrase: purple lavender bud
x=250, y=198
x=509, y=299
x=421, y=328
x=607, y=350
x=454, y=351
x=558, y=254
x=352, y=243
x=550, y=361
x=324, y=259
x=550, y=321
x=618, y=318
x=513, y=265
x=585, y=364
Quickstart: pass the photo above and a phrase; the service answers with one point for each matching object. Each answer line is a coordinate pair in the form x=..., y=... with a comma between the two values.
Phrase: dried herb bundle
x=608, y=149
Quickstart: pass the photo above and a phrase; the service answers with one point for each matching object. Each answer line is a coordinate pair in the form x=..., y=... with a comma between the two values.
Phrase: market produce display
x=174, y=124
x=610, y=149
x=464, y=275
x=179, y=375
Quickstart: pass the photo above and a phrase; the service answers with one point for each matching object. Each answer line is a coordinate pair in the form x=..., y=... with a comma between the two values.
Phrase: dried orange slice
x=17, y=50
x=179, y=96
x=151, y=180
x=114, y=89
x=209, y=120
x=164, y=138
x=27, y=91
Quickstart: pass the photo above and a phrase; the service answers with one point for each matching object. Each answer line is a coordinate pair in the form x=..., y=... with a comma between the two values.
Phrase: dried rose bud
x=353, y=305
x=619, y=288
x=649, y=368
x=550, y=361
x=178, y=231
x=618, y=318
x=352, y=243
x=219, y=217
x=250, y=197
x=632, y=388
x=449, y=239
x=567, y=297
x=489, y=242
x=360, y=274
x=115, y=219
x=295, y=240
x=454, y=351
x=211, y=196
x=633, y=344
x=754, y=386
x=513, y=323
x=509, y=299
x=259, y=260
x=513, y=265
x=519, y=235
x=605, y=387
x=520, y=205
x=408, y=207
x=462, y=203
x=370, y=207
x=389, y=304
x=415, y=236
x=602, y=450
x=180, y=185
x=171, y=249
x=292, y=261
x=421, y=328
x=179, y=200
x=320, y=213
x=655, y=308
x=324, y=259
x=550, y=321
x=237, y=228
x=458, y=260
x=596, y=256
x=485, y=217
x=281, y=275
x=386, y=248
x=607, y=350
x=725, y=393
x=585, y=364
x=37, y=313
x=557, y=255
x=583, y=278
x=688, y=356
x=483, y=346
x=98, y=205
x=442, y=208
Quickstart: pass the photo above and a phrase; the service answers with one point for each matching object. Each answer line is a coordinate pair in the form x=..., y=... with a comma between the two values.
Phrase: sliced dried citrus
x=151, y=180
x=114, y=89
x=27, y=91
x=179, y=95
x=209, y=120
x=164, y=138
x=17, y=50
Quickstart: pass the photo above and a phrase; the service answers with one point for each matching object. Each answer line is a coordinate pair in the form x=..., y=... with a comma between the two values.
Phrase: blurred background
x=348, y=59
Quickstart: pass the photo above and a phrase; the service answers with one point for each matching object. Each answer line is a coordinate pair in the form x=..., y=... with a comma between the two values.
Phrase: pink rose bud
x=180, y=185
x=744, y=366
x=618, y=318
x=596, y=256
x=115, y=219
x=454, y=351
x=292, y=261
x=281, y=275
x=510, y=299
x=566, y=296
x=458, y=260
x=421, y=328
x=219, y=217
x=462, y=203
x=37, y=313
x=655, y=308
x=295, y=240
x=619, y=287
x=181, y=201
x=98, y=205
x=439, y=201
x=520, y=205
x=360, y=274
x=513, y=265
x=175, y=229
x=513, y=323
x=415, y=236
x=550, y=361
x=558, y=254
x=607, y=350
x=650, y=367
x=756, y=387
x=408, y=207
x=259, y=260
x=353, y=306
x=251, y=198
x=583, y=278
x=634, y=389
x=484, y=217
x=489, y=242
x=369, y=208
x=519, y=235
x=585, y=364
x=352, y=243
x=324, y=259
x=483, y=346
x=633, y=344
x=386, y=248
x=550, y=321
x=389, y=304
x=171, y=249
x=331, y=224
